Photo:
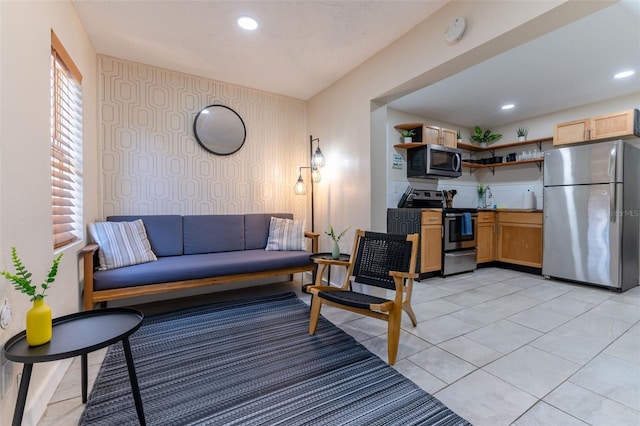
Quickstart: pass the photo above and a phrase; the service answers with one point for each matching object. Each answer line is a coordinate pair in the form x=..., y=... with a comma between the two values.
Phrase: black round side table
x=327, y=260
x=73, y=335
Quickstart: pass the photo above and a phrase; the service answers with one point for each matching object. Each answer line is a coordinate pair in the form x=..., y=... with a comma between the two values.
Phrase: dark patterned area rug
x=252, y=362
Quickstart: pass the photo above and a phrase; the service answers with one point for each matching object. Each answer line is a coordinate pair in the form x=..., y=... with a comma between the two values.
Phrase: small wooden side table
x=324, y=260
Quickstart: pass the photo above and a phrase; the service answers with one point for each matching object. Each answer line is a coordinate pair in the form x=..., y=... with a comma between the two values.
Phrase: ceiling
x=299, y=49
x=302, y=47
x=569, y=67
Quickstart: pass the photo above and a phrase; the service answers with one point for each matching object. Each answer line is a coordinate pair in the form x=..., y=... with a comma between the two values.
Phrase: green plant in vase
x=335, y=252
x=522, y=132
x=481, y=193
x=39, y=321
x=484, y=137
x=408, y=135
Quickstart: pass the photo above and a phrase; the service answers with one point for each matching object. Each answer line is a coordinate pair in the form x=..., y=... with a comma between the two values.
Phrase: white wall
x=25, y=179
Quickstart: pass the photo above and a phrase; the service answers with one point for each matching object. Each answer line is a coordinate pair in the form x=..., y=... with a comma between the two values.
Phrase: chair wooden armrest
x=315, y=289
x=399, y=280
x=403, y=274
x=87, y=253
x=313, y=236
x=90, y=248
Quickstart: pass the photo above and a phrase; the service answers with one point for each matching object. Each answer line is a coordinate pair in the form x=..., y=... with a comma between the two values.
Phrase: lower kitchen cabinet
x=486, y=236
x=519, y=238
x=430, y=241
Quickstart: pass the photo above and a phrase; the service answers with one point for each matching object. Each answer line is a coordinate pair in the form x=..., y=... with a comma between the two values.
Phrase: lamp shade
x=315, y=175
x=300, y=188
x=318, y=158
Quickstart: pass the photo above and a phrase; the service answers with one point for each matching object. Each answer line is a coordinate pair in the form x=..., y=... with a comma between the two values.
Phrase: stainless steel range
x=459, y=227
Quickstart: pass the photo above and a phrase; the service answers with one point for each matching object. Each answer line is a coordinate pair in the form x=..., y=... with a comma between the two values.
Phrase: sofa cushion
x=256, y=228
x=179, y=268
x=213, y=233
x=121, y=243
x=285, y=234
x=164, y=232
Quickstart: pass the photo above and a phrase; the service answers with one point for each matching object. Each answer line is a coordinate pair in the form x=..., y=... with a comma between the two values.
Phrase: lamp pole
x=316, y=161
x=311, y=159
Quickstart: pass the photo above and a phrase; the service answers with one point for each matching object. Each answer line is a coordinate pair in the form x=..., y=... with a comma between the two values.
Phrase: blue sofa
x=194, y=251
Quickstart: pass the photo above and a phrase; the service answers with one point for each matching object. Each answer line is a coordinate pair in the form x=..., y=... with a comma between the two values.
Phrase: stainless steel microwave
x=434, y=162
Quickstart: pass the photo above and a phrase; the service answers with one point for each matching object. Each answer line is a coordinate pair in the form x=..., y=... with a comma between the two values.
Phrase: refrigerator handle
x=613, y=160
x=613, y=197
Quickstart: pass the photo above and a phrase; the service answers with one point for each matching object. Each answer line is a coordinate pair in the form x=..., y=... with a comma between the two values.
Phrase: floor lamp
x=316, y=162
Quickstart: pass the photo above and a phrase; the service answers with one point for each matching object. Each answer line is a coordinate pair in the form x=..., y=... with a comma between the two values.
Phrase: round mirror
x=219, y=129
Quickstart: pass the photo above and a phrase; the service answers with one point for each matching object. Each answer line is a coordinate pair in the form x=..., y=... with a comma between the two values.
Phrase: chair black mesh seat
x=351, y=298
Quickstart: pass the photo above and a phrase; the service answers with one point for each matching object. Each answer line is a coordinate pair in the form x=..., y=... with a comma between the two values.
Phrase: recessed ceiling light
x=508, y=106
x=624, y=74
x=247, y=23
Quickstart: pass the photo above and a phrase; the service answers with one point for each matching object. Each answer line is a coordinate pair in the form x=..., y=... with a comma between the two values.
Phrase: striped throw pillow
x=121, y=243
x=285, y=234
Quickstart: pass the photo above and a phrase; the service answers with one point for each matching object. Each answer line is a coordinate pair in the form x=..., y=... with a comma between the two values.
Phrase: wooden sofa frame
x=91, y=297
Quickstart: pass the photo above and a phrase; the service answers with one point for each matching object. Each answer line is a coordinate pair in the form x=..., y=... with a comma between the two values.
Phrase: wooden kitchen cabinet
x=486, y=234
x=519, y=239
x=428, y=134
x=619, y=124
x=430, y=241
x=440, y=136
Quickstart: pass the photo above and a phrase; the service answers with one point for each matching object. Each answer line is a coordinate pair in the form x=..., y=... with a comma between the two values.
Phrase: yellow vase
x=39, y=323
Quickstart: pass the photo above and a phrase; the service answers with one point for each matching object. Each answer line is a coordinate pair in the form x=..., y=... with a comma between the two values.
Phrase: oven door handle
x=460, y=253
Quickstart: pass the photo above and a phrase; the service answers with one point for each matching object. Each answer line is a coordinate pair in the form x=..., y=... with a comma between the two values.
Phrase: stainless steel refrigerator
x=591, y=221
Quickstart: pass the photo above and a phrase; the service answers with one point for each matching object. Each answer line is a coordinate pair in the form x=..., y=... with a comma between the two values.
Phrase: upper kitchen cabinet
x=619, y=124
x=440, y=136
x=428, y=134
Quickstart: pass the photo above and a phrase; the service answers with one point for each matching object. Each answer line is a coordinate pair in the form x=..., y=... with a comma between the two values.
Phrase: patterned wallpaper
x=151, y=162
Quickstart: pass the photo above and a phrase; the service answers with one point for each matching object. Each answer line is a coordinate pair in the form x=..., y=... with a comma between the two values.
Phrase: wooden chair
x=387, y=261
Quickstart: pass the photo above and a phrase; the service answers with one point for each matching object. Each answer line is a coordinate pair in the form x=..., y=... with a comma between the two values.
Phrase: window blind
x=66, y=147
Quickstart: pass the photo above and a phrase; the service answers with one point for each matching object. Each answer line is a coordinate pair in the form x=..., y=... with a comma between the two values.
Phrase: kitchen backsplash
x=503, y=195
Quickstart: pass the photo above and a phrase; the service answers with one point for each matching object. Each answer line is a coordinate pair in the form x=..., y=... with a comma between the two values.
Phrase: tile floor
x=499, y=347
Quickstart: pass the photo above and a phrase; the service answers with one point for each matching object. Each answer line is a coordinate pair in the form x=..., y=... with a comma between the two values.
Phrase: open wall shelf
x=492, y=150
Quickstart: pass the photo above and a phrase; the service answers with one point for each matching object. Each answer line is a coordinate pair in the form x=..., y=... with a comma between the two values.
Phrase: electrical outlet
x=6, y=375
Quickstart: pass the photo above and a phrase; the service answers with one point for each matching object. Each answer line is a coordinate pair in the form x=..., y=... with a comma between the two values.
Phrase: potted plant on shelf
x=483, y=138
x=522, y=134
x=39, y=322
x=335, y=252
x=459, y=136
x=408, y=135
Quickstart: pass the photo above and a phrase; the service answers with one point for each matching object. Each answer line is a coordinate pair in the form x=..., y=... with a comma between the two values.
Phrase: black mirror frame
x=207, y=148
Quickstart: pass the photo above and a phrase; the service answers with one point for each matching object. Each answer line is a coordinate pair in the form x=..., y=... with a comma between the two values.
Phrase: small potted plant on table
x=39, y=321
x=335, y=252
